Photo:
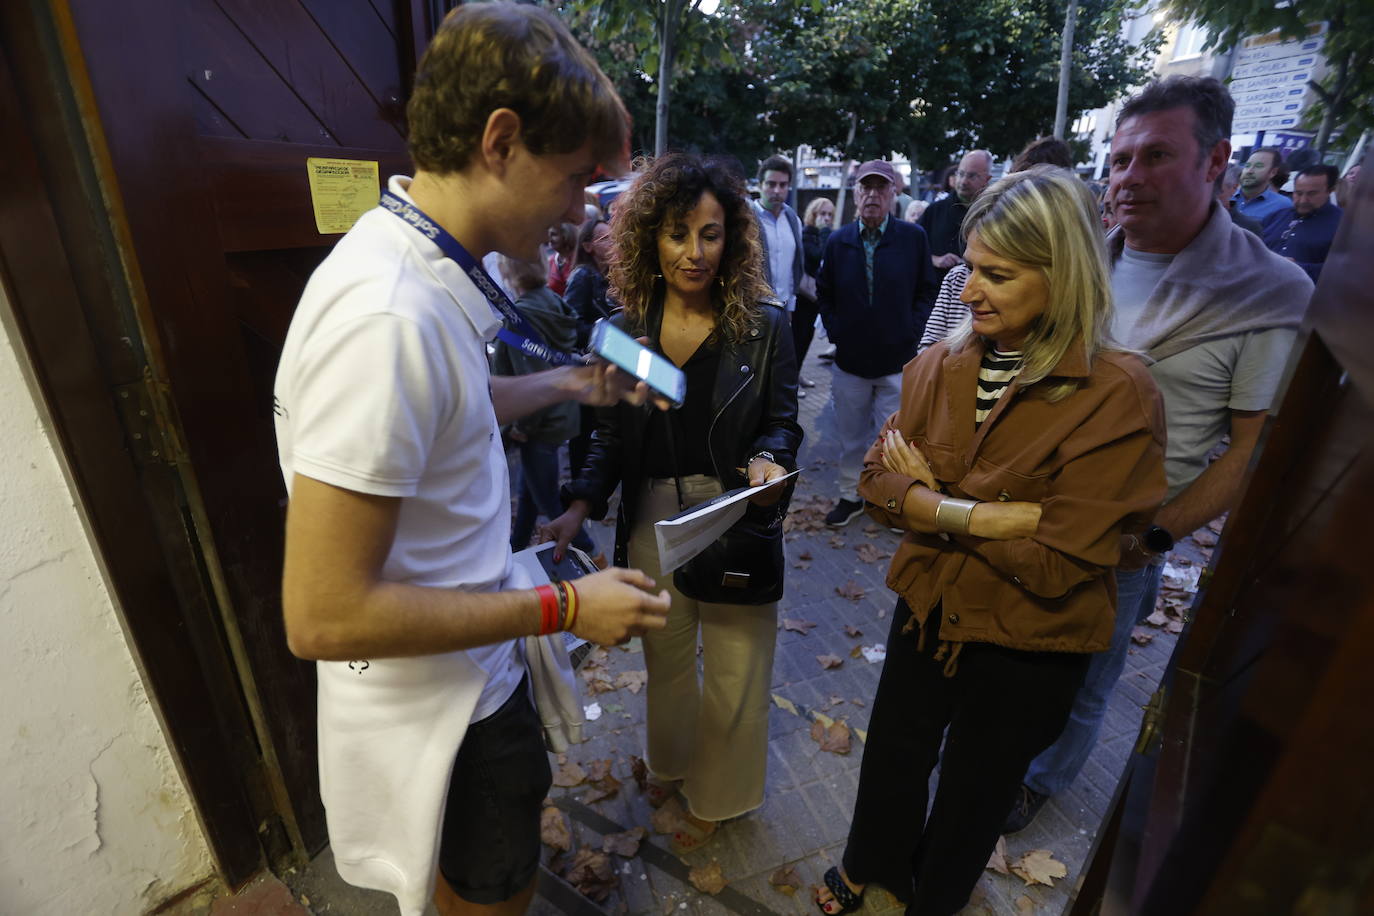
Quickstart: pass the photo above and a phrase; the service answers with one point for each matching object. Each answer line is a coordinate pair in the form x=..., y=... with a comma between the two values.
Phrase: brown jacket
x=1094, y=461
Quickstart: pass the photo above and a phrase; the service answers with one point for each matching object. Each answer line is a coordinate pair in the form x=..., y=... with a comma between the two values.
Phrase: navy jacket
x=877, y=338
x=1306, y=240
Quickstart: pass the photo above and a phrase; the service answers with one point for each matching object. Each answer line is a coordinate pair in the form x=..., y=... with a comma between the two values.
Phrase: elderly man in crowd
x=874, y=293
x=942, y=219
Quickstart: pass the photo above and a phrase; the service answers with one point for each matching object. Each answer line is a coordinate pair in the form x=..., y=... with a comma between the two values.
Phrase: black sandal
x=841, y=893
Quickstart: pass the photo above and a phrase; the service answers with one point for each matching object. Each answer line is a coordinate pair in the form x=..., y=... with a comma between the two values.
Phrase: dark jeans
x=1001, y=708
x=539, y=494
x=803, y=327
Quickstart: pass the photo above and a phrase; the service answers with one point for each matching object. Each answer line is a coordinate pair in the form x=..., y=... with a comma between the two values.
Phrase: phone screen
x=655, y=370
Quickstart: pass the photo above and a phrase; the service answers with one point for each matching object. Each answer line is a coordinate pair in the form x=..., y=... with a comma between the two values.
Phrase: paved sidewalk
x=810, y=792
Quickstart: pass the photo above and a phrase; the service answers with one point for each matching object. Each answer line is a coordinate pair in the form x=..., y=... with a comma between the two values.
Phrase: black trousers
x=803, y=327
x=1002, y=707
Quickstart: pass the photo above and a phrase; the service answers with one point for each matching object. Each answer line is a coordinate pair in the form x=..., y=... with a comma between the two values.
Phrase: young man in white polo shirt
x=398, y=577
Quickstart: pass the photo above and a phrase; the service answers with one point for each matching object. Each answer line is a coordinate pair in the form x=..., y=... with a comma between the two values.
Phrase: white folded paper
x=688, y=533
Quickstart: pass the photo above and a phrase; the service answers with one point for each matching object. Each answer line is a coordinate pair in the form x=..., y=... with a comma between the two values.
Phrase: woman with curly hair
x=687, y=271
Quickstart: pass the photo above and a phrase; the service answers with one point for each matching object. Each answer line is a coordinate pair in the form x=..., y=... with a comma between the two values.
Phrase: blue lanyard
x=517, y=331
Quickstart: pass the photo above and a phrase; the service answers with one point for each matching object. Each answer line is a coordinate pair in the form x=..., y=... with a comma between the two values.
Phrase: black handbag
x=745, y=564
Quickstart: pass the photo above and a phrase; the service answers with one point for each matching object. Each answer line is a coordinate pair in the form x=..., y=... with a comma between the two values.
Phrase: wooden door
x=206, y=111
x=1250, y=789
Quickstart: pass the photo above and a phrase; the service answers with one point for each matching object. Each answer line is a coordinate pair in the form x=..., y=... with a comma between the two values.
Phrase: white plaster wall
x=96, y=817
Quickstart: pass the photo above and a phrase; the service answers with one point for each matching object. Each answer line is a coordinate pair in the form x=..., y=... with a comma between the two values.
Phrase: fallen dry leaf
x=1141, y=636
x=1158, y=619
x=708, y=878
x=784, y=704
x=604, y=783
x=568, y=775
x=856, y=651
x=830, y=661
x=834, y=701
x=667, y=819
x=553, y=829
x=785, y=881
x=1039, y=866
x=639, y=771
x=850, y=590
x=1174, y=626
x=632, y=679
x=851, y=630
x=598, y=680
x=868, y=553
x=801, y=564
x=1025, y=906
x=1205, y=537
x=858, y=702
x=835, y=738
x=1217, y=524
x=797, y=626
x=624, y=844
x=592, y=873
x=998, y=860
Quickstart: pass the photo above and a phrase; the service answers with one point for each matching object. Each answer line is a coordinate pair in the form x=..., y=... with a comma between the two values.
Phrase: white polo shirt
x=383, y=389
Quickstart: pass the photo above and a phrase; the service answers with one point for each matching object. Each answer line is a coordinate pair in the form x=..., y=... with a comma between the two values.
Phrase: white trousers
x=862, y=405
x=711, y=733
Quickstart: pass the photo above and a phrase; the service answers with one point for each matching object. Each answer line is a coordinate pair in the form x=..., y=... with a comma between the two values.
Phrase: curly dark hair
x=487, y=56
x=666, y=189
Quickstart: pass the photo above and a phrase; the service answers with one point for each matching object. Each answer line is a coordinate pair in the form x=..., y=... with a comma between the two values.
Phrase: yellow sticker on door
x=341, y=190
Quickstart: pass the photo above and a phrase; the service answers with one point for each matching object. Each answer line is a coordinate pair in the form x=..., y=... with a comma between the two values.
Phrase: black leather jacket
x=755, y=410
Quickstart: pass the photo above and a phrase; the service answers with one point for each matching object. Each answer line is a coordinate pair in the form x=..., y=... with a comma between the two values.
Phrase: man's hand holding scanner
x=618, y=604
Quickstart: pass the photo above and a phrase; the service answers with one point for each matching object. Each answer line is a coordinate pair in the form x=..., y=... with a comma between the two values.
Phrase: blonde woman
x=817, y=222
x=1025, y=447
x=688, y=270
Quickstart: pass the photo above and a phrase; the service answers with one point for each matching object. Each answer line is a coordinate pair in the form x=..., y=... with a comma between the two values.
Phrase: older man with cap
x=874, y=293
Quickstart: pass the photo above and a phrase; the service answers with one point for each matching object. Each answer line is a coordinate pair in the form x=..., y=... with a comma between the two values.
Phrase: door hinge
x=144, y=406
x=1153, y=721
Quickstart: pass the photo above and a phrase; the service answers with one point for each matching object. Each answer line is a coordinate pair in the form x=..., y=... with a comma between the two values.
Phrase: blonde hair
x=1045, y=218
x=813, y=209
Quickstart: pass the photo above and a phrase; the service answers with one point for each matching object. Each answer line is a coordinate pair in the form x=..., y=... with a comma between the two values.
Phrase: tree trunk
x=844, y=172
x=671, y=13
x=1061, y=109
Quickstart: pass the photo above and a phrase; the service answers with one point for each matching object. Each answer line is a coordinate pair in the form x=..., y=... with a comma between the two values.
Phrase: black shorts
x=489, y=848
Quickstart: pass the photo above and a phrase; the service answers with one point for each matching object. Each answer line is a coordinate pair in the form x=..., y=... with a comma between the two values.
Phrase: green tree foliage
x=929, y=77
x=1346, y=93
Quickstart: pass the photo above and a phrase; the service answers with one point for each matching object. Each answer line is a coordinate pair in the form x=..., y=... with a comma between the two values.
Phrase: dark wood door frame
x=72, y=307
x=98, y=254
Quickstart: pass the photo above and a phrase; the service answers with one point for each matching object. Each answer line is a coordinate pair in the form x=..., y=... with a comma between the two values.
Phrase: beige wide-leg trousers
x=712, y=733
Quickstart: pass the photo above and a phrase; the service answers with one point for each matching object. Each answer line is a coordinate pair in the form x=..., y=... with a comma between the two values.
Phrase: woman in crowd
x=1025, y=450
x=816, y=224
x=586, y=293
x=562, y=244
x=538, y=436
x=688, y=273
